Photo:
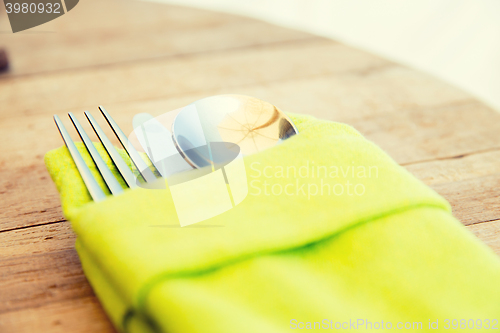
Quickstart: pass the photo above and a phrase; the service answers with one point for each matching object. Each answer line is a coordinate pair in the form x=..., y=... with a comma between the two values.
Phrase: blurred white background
x=455, y=40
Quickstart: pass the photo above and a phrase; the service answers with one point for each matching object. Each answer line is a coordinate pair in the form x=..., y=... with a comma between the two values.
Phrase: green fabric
x=394, y=253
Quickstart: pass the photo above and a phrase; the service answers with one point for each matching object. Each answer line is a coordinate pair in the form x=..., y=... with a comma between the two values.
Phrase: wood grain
x=143, y=57
x=469, y=182
x=28, y=198
x=162, y=78
x=79, y=315
x=42, y=285
x=369, y=112
x=39, y=268
x=98, y=33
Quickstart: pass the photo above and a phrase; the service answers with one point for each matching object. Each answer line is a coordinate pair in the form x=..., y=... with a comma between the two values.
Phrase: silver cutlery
x=110, y=180
x=205, y=133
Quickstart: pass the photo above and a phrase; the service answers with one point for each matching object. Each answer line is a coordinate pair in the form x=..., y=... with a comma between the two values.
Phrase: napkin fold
x=332, y=233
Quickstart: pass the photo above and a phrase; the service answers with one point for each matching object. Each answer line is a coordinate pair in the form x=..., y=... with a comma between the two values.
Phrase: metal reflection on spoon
x=205, y=129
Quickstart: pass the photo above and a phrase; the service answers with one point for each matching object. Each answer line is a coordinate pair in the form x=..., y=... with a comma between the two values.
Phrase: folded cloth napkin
x=332, y=234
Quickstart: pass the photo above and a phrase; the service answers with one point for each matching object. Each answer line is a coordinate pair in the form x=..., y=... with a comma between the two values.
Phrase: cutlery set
x=206, y=133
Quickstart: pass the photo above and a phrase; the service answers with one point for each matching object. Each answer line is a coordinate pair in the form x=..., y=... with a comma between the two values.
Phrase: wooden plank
x=457, y=169
x=417, y=135
x=470, y=183
x=79, y=315
x=473, y=200
x=55, y=92
x=40, y=266
x=28, y=197
x=43, y=239
x=324, y=99
x=358, y=95
x=42, y=284
x=159, y=79
x=94, y=33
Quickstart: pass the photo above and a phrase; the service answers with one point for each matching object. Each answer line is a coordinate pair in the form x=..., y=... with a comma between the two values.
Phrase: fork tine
x=122, y=167
x=141, y=166
x=94, y=189
x=106, y=174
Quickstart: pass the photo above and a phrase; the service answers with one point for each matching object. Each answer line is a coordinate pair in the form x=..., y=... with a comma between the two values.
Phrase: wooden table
x=142, y=57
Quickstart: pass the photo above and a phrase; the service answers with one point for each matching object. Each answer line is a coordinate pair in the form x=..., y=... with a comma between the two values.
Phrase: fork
x=110, y=180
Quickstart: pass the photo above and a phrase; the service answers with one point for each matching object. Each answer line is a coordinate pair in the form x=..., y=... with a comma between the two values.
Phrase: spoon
x=216, y=129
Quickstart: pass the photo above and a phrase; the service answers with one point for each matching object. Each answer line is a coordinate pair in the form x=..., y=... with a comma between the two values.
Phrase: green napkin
x=363, y=243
